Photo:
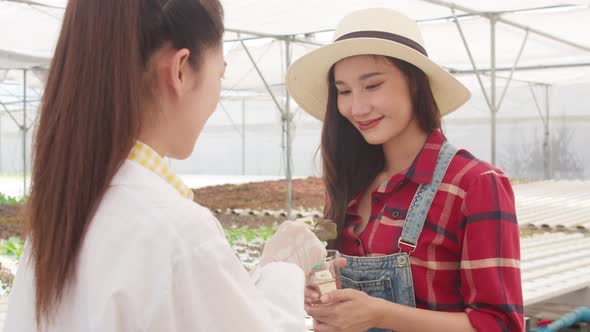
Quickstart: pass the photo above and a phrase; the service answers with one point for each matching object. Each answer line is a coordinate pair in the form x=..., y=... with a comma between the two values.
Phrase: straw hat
x=376, y=31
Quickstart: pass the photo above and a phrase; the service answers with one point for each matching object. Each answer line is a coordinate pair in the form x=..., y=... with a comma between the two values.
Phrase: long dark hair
x=350, y=164
x=91, y=115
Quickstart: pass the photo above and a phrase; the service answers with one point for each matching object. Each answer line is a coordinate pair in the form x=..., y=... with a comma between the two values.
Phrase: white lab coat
x=155, y=261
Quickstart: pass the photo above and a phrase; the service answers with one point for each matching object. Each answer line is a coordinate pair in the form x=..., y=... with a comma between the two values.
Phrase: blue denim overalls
x=390, y=277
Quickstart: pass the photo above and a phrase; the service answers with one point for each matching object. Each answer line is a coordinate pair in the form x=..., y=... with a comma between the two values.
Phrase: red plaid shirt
x=468, y=254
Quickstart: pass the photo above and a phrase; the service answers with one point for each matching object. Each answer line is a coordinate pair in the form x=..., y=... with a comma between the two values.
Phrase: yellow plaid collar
x=150, y=159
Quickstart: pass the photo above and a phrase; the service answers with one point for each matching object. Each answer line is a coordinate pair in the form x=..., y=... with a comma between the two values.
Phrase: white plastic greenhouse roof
x=28, y=33
x=554, y=205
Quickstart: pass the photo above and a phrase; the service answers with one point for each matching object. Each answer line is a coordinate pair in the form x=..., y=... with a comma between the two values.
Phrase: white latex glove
x=294, y=243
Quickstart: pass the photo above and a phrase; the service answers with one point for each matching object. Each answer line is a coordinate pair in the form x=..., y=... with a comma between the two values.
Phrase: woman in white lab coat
x=115, y=241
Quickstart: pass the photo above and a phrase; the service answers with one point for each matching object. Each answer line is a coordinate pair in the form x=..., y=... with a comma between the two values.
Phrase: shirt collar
x=422, y=169
x=147, y=157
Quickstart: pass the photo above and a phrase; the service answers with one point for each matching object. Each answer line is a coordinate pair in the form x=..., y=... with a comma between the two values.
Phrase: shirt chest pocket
x=393, y=216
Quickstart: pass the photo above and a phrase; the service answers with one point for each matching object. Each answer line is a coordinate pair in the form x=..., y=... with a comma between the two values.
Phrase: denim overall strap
x=423, y=199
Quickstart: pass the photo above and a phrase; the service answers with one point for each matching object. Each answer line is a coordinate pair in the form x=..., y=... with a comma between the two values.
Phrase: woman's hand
x=347, y=310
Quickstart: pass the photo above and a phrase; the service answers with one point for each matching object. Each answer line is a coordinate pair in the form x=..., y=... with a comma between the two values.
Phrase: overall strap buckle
x=399, y=245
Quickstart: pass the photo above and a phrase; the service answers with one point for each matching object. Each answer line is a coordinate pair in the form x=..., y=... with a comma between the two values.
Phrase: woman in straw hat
x=429, y=231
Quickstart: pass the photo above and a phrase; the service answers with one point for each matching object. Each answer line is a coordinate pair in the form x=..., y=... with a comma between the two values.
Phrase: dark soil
x=271, y=195
x=307, y=194
x=11, y=222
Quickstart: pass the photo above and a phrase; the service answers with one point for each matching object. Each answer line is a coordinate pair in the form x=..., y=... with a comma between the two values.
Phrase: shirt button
x=358, y=242
x=395, y=213
x=375, y=200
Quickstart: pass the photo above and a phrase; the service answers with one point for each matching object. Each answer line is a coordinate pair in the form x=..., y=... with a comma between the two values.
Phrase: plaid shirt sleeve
x=490, y=259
